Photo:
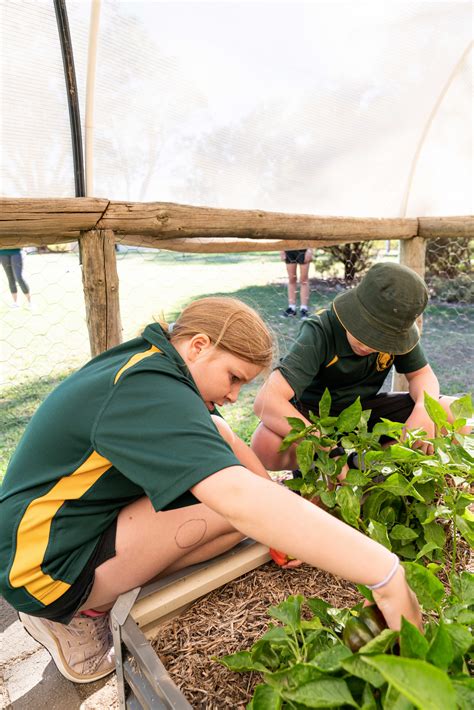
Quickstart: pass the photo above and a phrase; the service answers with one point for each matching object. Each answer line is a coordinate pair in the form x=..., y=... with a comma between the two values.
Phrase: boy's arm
x=272, y=404
x=280, y=519
x=419, y=382
x=243, y=452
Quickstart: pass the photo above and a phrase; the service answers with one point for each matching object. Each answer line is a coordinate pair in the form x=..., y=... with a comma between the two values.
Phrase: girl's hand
x=282, y=256
x=308, y=257
x=283, y=560
x=396, y=599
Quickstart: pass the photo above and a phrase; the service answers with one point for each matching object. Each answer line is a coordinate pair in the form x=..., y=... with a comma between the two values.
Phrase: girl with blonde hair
x=126, y=471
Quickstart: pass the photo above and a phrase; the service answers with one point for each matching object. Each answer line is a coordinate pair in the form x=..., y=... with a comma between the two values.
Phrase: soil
x=231, y=619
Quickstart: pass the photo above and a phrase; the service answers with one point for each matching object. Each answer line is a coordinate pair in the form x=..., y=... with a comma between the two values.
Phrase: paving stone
x=16, y=643
x=34, y=683
x=29, y=679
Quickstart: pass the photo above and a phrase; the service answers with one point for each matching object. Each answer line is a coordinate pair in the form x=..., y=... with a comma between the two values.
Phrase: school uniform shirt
x=130, y=423
x=322, y=357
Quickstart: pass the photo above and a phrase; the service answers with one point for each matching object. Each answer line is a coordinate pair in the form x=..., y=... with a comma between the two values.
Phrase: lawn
x=39, y=348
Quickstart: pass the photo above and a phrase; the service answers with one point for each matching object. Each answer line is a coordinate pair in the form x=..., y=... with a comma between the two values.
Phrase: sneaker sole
x=37, y=631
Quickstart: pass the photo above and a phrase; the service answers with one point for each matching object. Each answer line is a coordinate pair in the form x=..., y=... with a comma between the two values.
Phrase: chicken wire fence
x=49, y=337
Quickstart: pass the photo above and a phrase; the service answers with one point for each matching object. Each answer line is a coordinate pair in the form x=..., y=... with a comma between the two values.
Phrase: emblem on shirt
x=384, y=361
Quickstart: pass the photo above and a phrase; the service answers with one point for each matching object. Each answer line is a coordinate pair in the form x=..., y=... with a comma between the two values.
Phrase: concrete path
x=29, y=680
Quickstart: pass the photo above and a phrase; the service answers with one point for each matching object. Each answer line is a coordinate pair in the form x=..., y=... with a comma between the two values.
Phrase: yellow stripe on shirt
x=35, y=527
x=136, y=358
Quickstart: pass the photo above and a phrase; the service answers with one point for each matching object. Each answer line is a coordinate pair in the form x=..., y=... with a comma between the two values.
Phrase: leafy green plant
x=401, y=497
x=304, y=661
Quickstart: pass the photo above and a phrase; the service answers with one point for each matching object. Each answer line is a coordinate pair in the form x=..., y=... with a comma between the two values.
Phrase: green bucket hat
x=381, y=311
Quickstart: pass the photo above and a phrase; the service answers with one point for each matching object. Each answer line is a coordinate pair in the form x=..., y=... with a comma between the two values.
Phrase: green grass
x=40, y=349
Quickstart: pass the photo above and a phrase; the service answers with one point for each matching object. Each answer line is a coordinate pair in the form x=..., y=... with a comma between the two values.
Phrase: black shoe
x=304, y=313
x=290, y=312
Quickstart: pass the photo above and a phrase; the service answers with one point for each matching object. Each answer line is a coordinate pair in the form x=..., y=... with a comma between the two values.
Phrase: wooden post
x=101, y=289
x=412, y=254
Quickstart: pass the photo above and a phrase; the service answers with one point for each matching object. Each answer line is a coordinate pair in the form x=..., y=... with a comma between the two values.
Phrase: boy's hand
x=419, y=419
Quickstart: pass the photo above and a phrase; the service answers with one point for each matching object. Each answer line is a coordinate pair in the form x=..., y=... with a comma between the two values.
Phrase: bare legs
x=293, y=283
x=150, y=543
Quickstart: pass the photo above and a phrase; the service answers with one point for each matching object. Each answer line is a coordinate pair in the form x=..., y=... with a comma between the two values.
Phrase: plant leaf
x=331, y=660
x=378, y=532
x=412, y=642
x=325, y=404
x=402, y=532
x=328, y=498
x=394, y=700
x=380, y=643
x=434, y=533
x=265, y=698
x=435, y=411
x=291, y=678
x=241, y=662
x=296, y=423
x=463, y=587
x=358, y=667
x=319, y=608
x=464, y=688
x=325, y=693
x=305, y=456
x=348, y=500
x=424, y=685
x=288, y=611
x=441, y=653
x=462, y=408
x=426, y=586
x=356, y=478
x=349, y=418
x=461, y=639
x=465, y=525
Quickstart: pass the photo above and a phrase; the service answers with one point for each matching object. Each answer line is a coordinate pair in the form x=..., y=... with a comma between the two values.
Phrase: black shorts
x=64, y=608
x=396, y=406
x=295, y=256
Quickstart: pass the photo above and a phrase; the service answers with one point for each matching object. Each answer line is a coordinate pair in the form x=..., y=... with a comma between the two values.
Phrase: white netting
x=301, y=107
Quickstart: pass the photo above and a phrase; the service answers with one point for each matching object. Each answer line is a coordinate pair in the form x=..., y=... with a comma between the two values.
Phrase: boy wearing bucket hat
x=350, y=348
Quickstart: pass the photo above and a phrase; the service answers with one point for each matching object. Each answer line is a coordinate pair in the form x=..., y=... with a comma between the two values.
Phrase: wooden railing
x=98, y=223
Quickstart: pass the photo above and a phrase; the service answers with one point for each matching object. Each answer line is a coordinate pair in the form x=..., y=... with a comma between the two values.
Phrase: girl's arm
x=280, y=519
x=243, y=452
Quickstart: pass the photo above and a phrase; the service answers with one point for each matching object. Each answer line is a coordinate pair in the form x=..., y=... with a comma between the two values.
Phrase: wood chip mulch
x=231, y=619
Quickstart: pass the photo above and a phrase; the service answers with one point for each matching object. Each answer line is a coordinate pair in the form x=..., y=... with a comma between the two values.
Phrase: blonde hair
x=229, y=324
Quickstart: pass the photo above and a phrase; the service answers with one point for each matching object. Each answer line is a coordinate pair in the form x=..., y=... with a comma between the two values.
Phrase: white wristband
x=389, y=576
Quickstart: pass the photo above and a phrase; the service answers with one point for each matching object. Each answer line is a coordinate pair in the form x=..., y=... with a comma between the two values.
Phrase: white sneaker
x=82, y=650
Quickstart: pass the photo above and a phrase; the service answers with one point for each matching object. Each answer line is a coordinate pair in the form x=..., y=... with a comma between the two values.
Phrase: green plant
x=304, y=661
x=403, y=498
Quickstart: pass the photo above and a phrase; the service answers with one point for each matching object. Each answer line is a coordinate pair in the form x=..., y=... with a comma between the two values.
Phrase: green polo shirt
x=322, y=357
x=128, y=424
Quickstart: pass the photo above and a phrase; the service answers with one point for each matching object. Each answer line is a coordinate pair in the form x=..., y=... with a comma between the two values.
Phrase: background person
x=293, y=259
x=130, y=474
x=12, y=262
x=350, y=349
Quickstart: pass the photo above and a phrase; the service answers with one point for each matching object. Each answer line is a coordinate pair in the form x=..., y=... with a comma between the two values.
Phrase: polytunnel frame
x=96, y=224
